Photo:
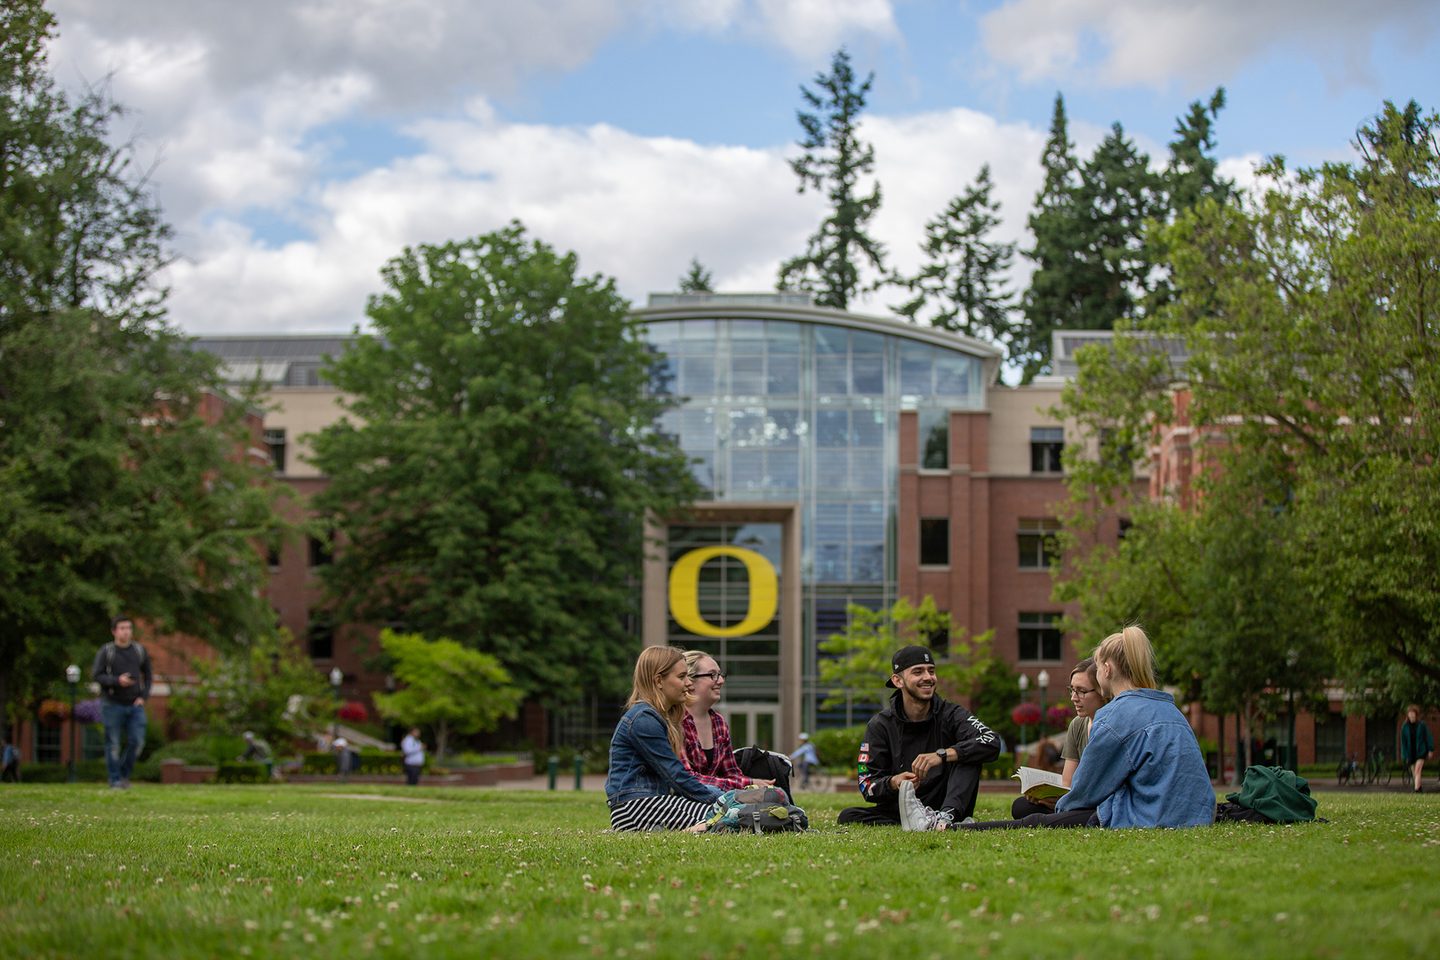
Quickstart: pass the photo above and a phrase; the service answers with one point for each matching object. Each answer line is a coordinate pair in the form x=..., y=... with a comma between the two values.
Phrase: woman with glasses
x=648, y=786
x=708, y=751
x=1087, y=699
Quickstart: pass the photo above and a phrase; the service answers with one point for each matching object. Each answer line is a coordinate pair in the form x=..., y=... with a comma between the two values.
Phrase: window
x=47, y=743
x=934, y=541
x=275, y=440
x=320, y=553
x=1123, y=528
x=1039, y=636
x=1046, y=446
x=320, y=636
x=934, y=439
x=1037, y=544
x=272, y=556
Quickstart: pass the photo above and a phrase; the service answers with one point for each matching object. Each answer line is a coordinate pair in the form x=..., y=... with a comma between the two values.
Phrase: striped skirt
x=659, y=813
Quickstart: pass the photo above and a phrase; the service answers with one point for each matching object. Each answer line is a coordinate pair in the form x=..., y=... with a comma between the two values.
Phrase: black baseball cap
x=907, y=657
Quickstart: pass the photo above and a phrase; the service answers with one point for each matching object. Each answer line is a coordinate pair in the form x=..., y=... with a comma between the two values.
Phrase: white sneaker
x=914, y=815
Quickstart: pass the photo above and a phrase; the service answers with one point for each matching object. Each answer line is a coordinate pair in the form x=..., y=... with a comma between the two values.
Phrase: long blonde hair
x=1129, y=652
x=652, y=664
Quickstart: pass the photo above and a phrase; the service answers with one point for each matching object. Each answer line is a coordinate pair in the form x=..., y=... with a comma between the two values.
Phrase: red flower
x=353, y=711
x=1060, y=715
x=1026, y=714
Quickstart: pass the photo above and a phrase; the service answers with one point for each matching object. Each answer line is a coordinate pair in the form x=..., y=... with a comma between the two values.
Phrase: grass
x=363, y=871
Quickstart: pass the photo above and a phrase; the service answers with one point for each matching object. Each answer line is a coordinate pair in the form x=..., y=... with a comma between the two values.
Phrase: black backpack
x=760, y=764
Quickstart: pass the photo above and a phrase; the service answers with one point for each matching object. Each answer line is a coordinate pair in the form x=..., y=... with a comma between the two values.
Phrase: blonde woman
x=708, y=751
x=1142, y=765
x=649, y=787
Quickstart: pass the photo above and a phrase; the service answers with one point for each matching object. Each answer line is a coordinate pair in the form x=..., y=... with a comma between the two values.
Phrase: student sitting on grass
x=1086, y=696
x=648, y=787
x=708, y=751
x=1142, y=766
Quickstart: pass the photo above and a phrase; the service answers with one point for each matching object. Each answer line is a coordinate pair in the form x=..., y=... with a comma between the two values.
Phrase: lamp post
x=1024, y=698
x=72, y=676
x=1043, y=679
x=337, y=677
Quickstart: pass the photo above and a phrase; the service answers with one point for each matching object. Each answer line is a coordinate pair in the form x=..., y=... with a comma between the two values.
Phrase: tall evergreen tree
x=697, y=279
x=1047, y=301
x=1190, y=177
x=961, y=286
x=118, y=488
x=834, y=161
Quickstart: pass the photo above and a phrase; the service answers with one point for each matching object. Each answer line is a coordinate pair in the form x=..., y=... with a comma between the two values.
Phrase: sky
x=297, y=145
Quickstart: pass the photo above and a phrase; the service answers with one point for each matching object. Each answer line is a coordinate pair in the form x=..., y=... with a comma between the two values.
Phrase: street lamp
x=337, y=677
x=1043, y=679
x=1024, y=697
x=72, y=676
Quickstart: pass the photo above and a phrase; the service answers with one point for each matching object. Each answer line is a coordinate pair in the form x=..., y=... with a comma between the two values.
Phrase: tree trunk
x=441, y=735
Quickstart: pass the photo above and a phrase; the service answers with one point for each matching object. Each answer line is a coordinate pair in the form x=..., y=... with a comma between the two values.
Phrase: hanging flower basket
x=1026, y=715
x=353, y=711
x=88, y=711
x=1060, y=715
x=53, y=712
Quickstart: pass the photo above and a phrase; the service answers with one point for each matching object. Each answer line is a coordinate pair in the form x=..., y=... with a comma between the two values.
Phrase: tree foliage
x=697, y=279
x=445, y=686
x=834, y=162
x=856, y=661
x=492, y=482
x=123, y=481
x=1308, y=320
x=961, y=285
x=270, y=687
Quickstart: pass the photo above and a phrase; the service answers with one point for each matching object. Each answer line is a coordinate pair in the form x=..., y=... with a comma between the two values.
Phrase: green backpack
x=1277, y=793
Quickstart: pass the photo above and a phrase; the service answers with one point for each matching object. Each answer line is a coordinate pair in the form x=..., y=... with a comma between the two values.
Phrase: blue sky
x=300, y=143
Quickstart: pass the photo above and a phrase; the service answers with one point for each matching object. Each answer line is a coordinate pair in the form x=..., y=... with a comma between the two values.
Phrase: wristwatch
x=940, y=754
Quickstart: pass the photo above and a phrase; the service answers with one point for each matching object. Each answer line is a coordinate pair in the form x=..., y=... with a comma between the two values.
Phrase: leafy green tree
x=697, y=279
x=994, y=696
x=1309, y=325
x=961, y=286
x=446, y=686
x=493, y=482
x=857, y=660
x=122, y=486
x=269, y=687
x=834, y=161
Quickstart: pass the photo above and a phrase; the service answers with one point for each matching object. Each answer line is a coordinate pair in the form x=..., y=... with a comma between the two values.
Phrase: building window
x=47, y=743
x=1038, y=549
x=934, y=439
x=320, y=636
x=275, y=440
x=1113, y=453
x=934, y=541
x=320, y=553
x=272, y=557
x=1046, y=446
x=1039, y=636
x=1123, y=528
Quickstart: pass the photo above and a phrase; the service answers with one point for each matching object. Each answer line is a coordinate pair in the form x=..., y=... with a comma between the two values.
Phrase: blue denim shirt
x=1142, y=766
x=643, y=764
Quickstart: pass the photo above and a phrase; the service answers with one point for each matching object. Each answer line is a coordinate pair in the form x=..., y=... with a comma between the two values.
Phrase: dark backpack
x=756, y=810
x=760, y=764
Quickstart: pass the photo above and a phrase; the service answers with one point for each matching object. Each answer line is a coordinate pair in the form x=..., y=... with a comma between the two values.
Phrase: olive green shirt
x=1077, y=735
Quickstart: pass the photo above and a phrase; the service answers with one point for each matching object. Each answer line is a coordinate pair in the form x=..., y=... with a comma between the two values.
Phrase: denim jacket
x=643, y=764
x=1142, y=766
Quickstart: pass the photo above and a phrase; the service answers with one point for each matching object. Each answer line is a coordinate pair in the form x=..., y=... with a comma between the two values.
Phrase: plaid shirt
x=724, y=772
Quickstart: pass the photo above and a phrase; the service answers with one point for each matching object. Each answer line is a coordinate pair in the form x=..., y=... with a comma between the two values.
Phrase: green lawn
x=311, y=872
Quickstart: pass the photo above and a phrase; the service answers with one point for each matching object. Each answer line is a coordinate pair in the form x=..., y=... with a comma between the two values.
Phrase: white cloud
x=1195, y=42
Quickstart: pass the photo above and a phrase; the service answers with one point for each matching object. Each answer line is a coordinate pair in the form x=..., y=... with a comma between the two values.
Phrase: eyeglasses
x=1079, y=691
x=712, y=675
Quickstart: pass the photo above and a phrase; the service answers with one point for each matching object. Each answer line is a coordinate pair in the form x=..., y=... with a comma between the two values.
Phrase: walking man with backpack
x=122, y=669
x=920, y=763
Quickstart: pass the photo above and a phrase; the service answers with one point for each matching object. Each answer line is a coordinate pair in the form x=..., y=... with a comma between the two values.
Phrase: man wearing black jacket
x=920, y=763
x=122, y=669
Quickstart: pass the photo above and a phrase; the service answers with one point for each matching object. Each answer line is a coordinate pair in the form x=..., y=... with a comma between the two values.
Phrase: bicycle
x=1349, y=772
x=1378, y=769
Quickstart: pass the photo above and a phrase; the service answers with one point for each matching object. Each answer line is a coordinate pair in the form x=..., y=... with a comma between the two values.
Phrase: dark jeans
x=412, y=772
x=955, y=791
x=127, y=722
x=12, y=772
x=1070, y=818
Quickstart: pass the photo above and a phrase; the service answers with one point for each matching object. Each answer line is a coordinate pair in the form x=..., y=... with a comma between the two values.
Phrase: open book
x=1039, y=784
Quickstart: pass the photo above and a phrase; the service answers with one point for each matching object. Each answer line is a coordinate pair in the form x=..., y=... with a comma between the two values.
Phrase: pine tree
x=1191, y=177
x=961, y=285
x=697, y=279
x=833, y=162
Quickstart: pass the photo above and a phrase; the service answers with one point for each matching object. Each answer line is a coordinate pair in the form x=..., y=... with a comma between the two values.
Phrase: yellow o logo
x=685, y=592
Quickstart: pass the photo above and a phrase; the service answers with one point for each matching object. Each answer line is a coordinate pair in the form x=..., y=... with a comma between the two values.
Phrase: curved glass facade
x=804, y=411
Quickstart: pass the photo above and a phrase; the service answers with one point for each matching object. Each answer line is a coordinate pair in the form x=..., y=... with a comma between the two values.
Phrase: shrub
x=596, y=756
x=241, y=772
x=369, y=762
x=838, y=747
x=202, y=751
